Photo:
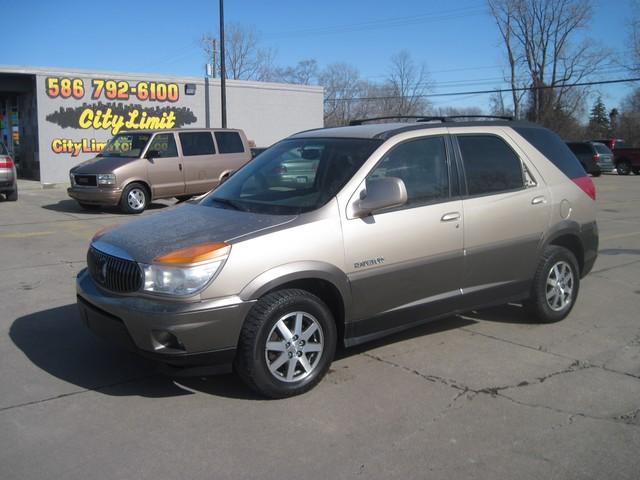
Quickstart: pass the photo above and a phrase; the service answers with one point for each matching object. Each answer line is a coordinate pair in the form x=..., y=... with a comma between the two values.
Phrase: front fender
x=304, y=270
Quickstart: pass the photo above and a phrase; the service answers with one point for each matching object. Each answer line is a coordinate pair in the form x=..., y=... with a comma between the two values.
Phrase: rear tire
x=636, y=170
x=287, y=344
x=134, y=198
x=12, y=196
x=623, y=167
x=555, y=285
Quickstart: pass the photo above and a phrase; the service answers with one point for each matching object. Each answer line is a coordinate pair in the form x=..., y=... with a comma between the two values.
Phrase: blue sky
x=457, y=40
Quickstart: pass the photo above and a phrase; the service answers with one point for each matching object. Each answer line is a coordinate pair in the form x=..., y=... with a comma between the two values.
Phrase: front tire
x=135, y=198
x=555, y=285
x=287, y=344
x=623, y=167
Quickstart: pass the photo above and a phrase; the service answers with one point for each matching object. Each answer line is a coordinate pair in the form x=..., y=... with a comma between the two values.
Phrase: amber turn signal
x=195, y=254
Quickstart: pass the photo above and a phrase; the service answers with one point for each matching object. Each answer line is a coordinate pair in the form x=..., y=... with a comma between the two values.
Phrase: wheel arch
x=142, y=182
x=567, y=234
x=324, y=280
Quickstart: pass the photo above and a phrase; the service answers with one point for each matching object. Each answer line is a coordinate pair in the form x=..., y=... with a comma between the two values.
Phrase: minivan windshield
x=294, y=176
x=126, y=145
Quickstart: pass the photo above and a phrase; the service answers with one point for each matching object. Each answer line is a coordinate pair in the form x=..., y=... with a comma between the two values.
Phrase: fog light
x=163, y=339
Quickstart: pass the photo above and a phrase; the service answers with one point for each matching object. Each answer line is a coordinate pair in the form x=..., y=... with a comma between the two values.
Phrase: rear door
x=164, y=167
x=233, y=151
x=199, y=154
x=506, y=211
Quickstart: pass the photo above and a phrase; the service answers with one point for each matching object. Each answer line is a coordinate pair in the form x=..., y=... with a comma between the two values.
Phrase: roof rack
x=427, y=118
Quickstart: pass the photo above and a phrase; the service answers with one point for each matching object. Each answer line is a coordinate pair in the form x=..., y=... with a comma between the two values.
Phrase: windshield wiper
x=227, y=202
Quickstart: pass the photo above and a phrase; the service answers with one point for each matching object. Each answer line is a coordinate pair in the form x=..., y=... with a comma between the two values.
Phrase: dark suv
x=594, y=157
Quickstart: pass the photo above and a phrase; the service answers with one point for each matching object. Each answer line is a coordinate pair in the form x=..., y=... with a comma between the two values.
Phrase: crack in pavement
x=630, y=418
x=76, y=392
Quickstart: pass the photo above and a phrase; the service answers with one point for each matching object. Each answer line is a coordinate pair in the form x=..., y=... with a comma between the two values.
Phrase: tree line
x=547, y=51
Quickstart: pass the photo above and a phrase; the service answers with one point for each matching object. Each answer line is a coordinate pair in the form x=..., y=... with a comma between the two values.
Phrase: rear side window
x=580, y=148
x=229, y=142
x=197, y=143
x=552, y=147
x=490, y=165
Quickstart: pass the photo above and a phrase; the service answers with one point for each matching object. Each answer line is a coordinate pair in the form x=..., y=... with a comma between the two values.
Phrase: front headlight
x=106, y=179
x=185, y=271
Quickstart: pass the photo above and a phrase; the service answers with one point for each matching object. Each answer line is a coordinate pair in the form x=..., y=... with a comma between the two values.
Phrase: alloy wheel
x=560, y=284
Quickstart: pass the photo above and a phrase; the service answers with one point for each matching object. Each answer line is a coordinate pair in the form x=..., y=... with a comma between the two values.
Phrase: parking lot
x=484, y=395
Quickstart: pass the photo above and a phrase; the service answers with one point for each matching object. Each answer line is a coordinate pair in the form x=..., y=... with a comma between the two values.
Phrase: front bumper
x=207, y=332
x=95, y=195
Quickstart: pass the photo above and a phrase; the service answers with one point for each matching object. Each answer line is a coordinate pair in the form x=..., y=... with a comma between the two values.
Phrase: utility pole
x=223, y=73
x=214, y=51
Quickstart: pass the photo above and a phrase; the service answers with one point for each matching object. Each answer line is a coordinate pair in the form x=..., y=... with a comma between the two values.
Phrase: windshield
x=600, y=148
x=293, y=176
x=126, y=145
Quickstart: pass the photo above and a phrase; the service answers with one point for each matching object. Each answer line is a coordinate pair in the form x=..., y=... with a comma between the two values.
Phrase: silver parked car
x=399, y=224
x=8, y=175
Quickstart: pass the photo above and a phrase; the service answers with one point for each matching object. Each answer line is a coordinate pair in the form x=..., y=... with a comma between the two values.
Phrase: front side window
x=126, y=145
x=293, y=176
x=197, y=143
x=164, y=145
x=490, y=165
x=422, y=166
x=229, y=142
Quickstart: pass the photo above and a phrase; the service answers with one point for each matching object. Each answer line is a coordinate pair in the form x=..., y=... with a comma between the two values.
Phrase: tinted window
x=165, y=145
x=229, y=142
x=580, y=148
x=421, y=165
x=3, y=151
x=197, y=143
x=128, y=145
x=490, y=165
x=293, y=176
x=600, y=148
x=552, y=147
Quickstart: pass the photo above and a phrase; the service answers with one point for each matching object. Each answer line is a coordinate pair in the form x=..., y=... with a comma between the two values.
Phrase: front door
x=164, y=166
x=405, y=264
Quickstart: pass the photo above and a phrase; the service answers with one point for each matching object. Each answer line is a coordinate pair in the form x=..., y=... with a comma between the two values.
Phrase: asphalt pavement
x=486, y=395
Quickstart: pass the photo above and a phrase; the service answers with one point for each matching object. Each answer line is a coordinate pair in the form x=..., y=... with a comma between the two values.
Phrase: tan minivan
x=137, y=167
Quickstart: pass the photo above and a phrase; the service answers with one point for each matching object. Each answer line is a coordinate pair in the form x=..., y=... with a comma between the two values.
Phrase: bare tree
x=244, y=58
x=342, y=89
x=538, y=36
x=407, y=82
x=305, y=72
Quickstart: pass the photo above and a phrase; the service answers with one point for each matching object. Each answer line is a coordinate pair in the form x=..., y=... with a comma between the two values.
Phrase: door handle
x=180, y=166
x=538, y=200
x=450, y=217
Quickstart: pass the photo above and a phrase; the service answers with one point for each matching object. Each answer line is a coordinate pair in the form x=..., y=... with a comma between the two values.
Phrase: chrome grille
x=113, y=273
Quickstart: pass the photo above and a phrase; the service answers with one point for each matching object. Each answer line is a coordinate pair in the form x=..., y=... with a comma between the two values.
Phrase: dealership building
x=54, y=119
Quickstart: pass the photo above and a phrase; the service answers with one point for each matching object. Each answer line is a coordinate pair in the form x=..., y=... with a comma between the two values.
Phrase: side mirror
x=380, y=193
x=151, y=154
x=226, y=177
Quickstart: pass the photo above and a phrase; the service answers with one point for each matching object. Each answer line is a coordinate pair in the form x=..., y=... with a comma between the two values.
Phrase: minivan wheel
x=555, y=285
x=134, y=198
x=287, y=343
x=623, y=167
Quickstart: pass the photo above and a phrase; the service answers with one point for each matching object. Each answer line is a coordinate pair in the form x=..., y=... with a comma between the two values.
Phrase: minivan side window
x=490, y=165
x=165, y=145
x=422, y=165
x=229, y=142
x=197, y=143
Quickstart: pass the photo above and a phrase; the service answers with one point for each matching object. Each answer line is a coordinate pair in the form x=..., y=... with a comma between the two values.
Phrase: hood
x=184, y=226
x=101, y=165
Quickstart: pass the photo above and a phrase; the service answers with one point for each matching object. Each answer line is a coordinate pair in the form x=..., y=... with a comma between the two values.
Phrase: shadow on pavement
x=511, y=313
x=71, y=206
x=56, y=341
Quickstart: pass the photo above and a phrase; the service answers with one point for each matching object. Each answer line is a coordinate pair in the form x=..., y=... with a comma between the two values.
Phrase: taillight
x=586, y=185
x=6, y=162
x=596, y=158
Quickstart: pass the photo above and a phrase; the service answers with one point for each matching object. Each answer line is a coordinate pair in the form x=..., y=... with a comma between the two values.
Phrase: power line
x=499, y=90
